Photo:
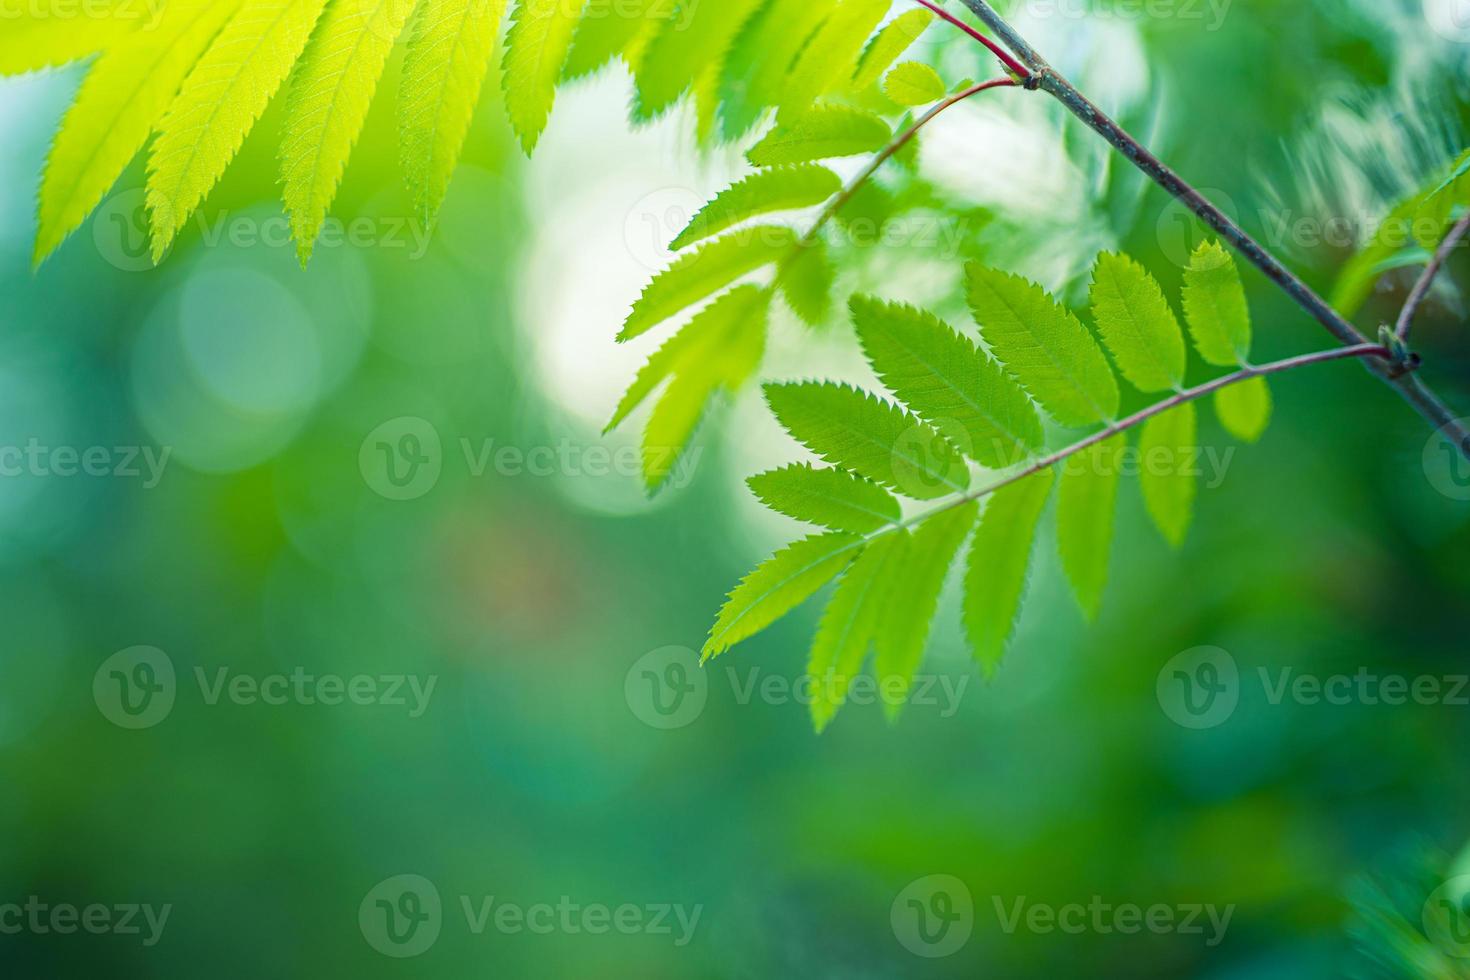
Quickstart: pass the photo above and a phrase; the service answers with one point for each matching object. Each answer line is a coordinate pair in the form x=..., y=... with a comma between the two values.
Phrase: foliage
x=958, y=410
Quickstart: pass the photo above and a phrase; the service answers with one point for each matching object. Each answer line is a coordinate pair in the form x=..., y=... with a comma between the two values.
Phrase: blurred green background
x=271, y=543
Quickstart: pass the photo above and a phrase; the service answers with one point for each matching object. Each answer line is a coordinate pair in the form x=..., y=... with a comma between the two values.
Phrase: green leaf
x=1244, y=408
x=687, y=45
x=763, y=192
x=831, y=58
x=995, y=574
x=1086, y=501
x=947, y=381
x=609, y=29
x=917, y=575
x=850, y=428
x=536, y=48
x=826, y=131
x=1215, y=306
x=219, y=104
x=896, y=37
x=123, y=96
x=444, y=70
x=1167, y=449
x=778, y=585
x=755, y=68
x=695, y=275
x=914, y=83
x=715, y=343
x=1137, y=324
x=52, y=35
x=834, y=499
x=330, y=95
x=1043, y=346
x=806, y=279
x=849, y=625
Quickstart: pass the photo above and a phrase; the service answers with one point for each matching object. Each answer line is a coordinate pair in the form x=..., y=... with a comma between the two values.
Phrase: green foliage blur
x=284, y=533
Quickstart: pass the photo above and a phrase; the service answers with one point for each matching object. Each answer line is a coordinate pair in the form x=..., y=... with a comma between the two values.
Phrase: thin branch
x=1014, y=66
x=1396, y=371
x=1431, y=271
x=898, y=143
x=1365, y=351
